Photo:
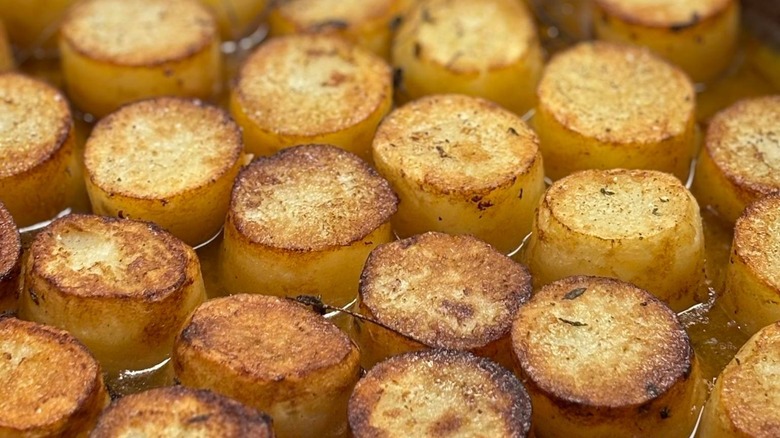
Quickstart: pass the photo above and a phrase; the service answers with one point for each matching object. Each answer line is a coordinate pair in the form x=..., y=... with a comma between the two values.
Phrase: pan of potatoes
x=381, y=218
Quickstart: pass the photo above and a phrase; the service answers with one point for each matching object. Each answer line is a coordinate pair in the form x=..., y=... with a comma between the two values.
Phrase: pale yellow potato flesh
x=606, y=105
x=177, y=411
x=752, y=292
x=740, y=159
x=304, y=89
x=33, y=24
x=699, y=36
x=167, y=160
x=368, y=23
x=39, y=168
x=121, y=287
x=486, y=48
x=439, y=393
x=461, y=165
x=601, y=357
x=237, y=18
x=746, y=397
x=302, y=222
x=52, y=386
x=137, y=49
x=435, y=290
x=272, y=354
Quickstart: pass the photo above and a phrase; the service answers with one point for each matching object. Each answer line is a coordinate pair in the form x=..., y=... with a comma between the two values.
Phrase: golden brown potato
x=303, y=222
x=744, y=402
x=441, y=291
x=52, y=386
x=167, y=160
x=33, y=24
x=10, y=262
x=439, y=393
x=752, y=291
x=305, y=89
x=603, y=358
x=122, y=287
x=39, y=171
x=367, y=23
x=275, y=355
x=739, y=161
x=236, y=18
x=700, y=36
x=605, y=106
x=485, y=48
x=640, y=226
x=135, y=49
x=177, y=411
x=6, y=56
x=461, y=165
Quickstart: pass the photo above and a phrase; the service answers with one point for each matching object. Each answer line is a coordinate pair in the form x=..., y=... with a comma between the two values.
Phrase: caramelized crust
x=177, y=411
x=35, y=121
x=456, y=144
x=617, y=94
x=744, y=143
x=162, y=147
x=308, y=198
x=139, y=32
x=309, y=85
x=444, y=291
x=600, y=343
x=664, y=13
x=39, y=399
x=757, y=243
x=439, y=393
x=93, y=256
x=10, y=249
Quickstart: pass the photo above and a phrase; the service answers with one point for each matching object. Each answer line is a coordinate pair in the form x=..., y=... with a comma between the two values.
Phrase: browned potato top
x=617, y=94
x=454, y=143
x=310, y=85
x=10, y=243
x=444, y=291
x=439, y=393
x=744, y=142
x=139, y=32
x=176, y=411
x=757, y=240
x=664, y=13
x=310, y=197
x=600, y=342
x=267, y=339
x=46, y=377
x=162, y=147
x=94, y=256
x=35, y=121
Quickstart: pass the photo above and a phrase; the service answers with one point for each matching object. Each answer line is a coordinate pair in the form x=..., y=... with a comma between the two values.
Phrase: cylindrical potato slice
x=167, y=160
x=461, y=165
x=442, y=291
x=236, y=18
x=6, y=56
x=10, y=261
x=33, y=24
x=739, y=161
x=484, y=48
x=744, y=402
x=700, y=36
x=367, y=23
x=275, y=355
x=303, y=221
x=135, y=49
x=640, y=226
x=122, y=287
x=38, y=166
x=439, y=393
x=752, y=291
x=177, y=411
x=52, y=386
x=605, y=105
x=601, y=357
x=305, y=89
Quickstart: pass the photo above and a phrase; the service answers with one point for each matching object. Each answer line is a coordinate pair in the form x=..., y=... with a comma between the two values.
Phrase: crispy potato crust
x=10, y=261
x=665, y=13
